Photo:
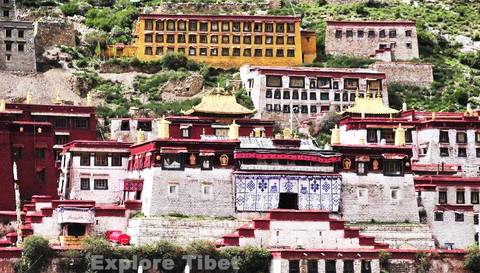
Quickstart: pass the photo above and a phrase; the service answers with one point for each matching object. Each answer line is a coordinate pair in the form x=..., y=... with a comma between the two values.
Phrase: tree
x=472, y=259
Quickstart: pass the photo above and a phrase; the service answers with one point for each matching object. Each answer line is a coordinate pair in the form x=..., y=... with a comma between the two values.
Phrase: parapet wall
x=414, y=74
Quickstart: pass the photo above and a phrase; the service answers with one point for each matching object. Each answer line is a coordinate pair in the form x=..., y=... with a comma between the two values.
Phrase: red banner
x=314, y=158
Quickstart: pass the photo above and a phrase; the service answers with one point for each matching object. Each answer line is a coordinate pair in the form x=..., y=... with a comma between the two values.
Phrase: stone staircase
x=400, y=235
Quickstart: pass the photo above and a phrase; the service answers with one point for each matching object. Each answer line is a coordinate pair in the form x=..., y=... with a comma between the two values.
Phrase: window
x=203, y=26
x=116, y=160
x=172, y=162
x=258, y=40
x=280, y=27
x=192, y=38
x=172, y=189
x=459, y=217
x=297, y=82
x=258, y=53
x=101, y=159
x=269, y=107
x=338, y=33
x=268, y=94
x=236, y=26
x=81, y=123
x=61, y=139
x=171, y=38
x=225, y=39
x=214, y=26
x=159, y=38
x=40, y=153
x=149, y=24
x=381, y=34
x=460, y=197
x=394, y=194
x=100, y=184
x=280, y=53
x=257, y=27
x=159, y=50
x=360, y=33
x=85, y=159
x=236, y=39
x=475, y=219
x=247, y=27
x=362, y=168
x=269, y=52
x=312, y=266
x=21, y=47
x=286, y=108
x=247, y=40
x=371, y=34
x=145, y=126
x=349, y=33
x=474, y=197
x=461, y=137
x=324, y=96
x=290, y=53
x=41, y=175
x=295, y=108
x=125, y=125
x=17, y=153
x=442, y=197
x=408, y=33
x=268, y=27
x=159, y=25
x=393, y=167
x=290, y=27
x=438, y=216
x=324, y=83
x=313, y=109
x=192, y=51
x=313, y=96
x=477, y=150
x=274, y=81
x=186, y=132
x=409, y=45
x=304, y=95
x=192, y=25
x=444, y=151
x=280, y=40
x=8, y=33
x=203, y=39
x=148, y=50
x=236, y=52
x=225, y=51
x=295, y=95
x=61, y=123
x=247, y=52
x=148, y=38
x=335, y=85
x=290, y=40
x=286, y=95
x=269, y=40
x=348, y=266
x=276, y=107
x=277, y=94
x=462, y=152
x=350, y=84
x=372, y=136
x=304, y=109
x=444, y=137
x=294, y=266
x=392, y=33
x=207, y=190
x=477, y=137
x=225, y=26
x=336, y=97
x=331, y=266
x=84, y=184
x=344, y=96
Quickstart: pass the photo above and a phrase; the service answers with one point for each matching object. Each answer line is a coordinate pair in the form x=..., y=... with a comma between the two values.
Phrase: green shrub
x=70, y=8
x=36, y=255
x=472, y=259
x=422, y=262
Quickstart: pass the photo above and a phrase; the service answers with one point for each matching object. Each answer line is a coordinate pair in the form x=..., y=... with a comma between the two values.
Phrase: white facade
x=126, y=129
x=323, y=90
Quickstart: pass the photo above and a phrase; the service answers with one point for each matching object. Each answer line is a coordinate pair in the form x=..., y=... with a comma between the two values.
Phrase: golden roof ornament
x=3, y=105
x=164, y=128
x=89, y=99
x=233, y=131
x=140, y=136
x=400, y=136
x=29, y=98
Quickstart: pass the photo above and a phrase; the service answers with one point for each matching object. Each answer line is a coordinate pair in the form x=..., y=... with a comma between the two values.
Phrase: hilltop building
x=17, y=45
x=286, y=93
x=225, y=41
x=383, y=40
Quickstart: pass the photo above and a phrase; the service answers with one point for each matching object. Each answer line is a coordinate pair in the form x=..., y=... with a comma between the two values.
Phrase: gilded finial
x=89, y=99
x=140, y=136
x=29, y=97
x=399, y=136
x=335, y=138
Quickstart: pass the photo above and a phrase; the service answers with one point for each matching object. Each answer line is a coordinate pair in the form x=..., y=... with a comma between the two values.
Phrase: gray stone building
x=383, y=40
x=17, y=46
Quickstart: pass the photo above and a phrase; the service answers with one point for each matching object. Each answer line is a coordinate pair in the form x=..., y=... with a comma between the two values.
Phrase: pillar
x=321, y=266
x=339, y=265
x=357, y=266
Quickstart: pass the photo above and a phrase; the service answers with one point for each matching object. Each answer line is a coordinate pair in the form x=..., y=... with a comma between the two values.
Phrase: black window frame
x=438, y=216
x=84, y=184
x=116, y=160
x=100, y=161
x=97, y=183
x=459, y=217
x=460, y=197
x=399, y=163
x=442, y=197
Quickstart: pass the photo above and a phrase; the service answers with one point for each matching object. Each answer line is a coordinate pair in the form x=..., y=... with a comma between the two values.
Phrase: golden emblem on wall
x=224, y=160
x=193, y=159
x=347, y=164
x=375, y=165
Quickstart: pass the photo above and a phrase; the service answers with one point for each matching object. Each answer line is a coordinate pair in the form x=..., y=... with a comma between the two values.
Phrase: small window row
x=9, y=46
x=461, y=152
x=225, y=51
x=215, y=39
x=101, y=159
x=215, y=26
x=349, y=33
x=460, y=197
x=296, y=95
x=322, y=83
x=461, y=137
x=98, y=184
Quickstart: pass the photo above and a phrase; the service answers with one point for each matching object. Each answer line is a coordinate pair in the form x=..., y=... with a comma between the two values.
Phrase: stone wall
x=52, y=33
x=182, y=231
x=438, y=265
x=415, y=74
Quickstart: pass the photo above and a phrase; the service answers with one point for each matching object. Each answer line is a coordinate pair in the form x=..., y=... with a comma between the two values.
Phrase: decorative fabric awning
x=207, y=152
x=173, y=150
x=394, y=156
x=362, y=158
x=314, y=158
x=76, y=215
x=133, y=185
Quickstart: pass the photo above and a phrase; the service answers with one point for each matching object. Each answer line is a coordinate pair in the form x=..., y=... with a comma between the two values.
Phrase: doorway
x=76, y=229
x=288, y=200
x=366, y=267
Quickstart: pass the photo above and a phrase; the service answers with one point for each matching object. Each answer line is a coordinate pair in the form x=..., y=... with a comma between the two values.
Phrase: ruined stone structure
x=383, y=40
x=51, y=33
x=221, y=40
x=17, y=45
x=286, y=93
x=406, y=73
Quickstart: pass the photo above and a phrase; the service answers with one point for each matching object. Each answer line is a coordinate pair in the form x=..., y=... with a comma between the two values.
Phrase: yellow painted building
x=226, y=41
